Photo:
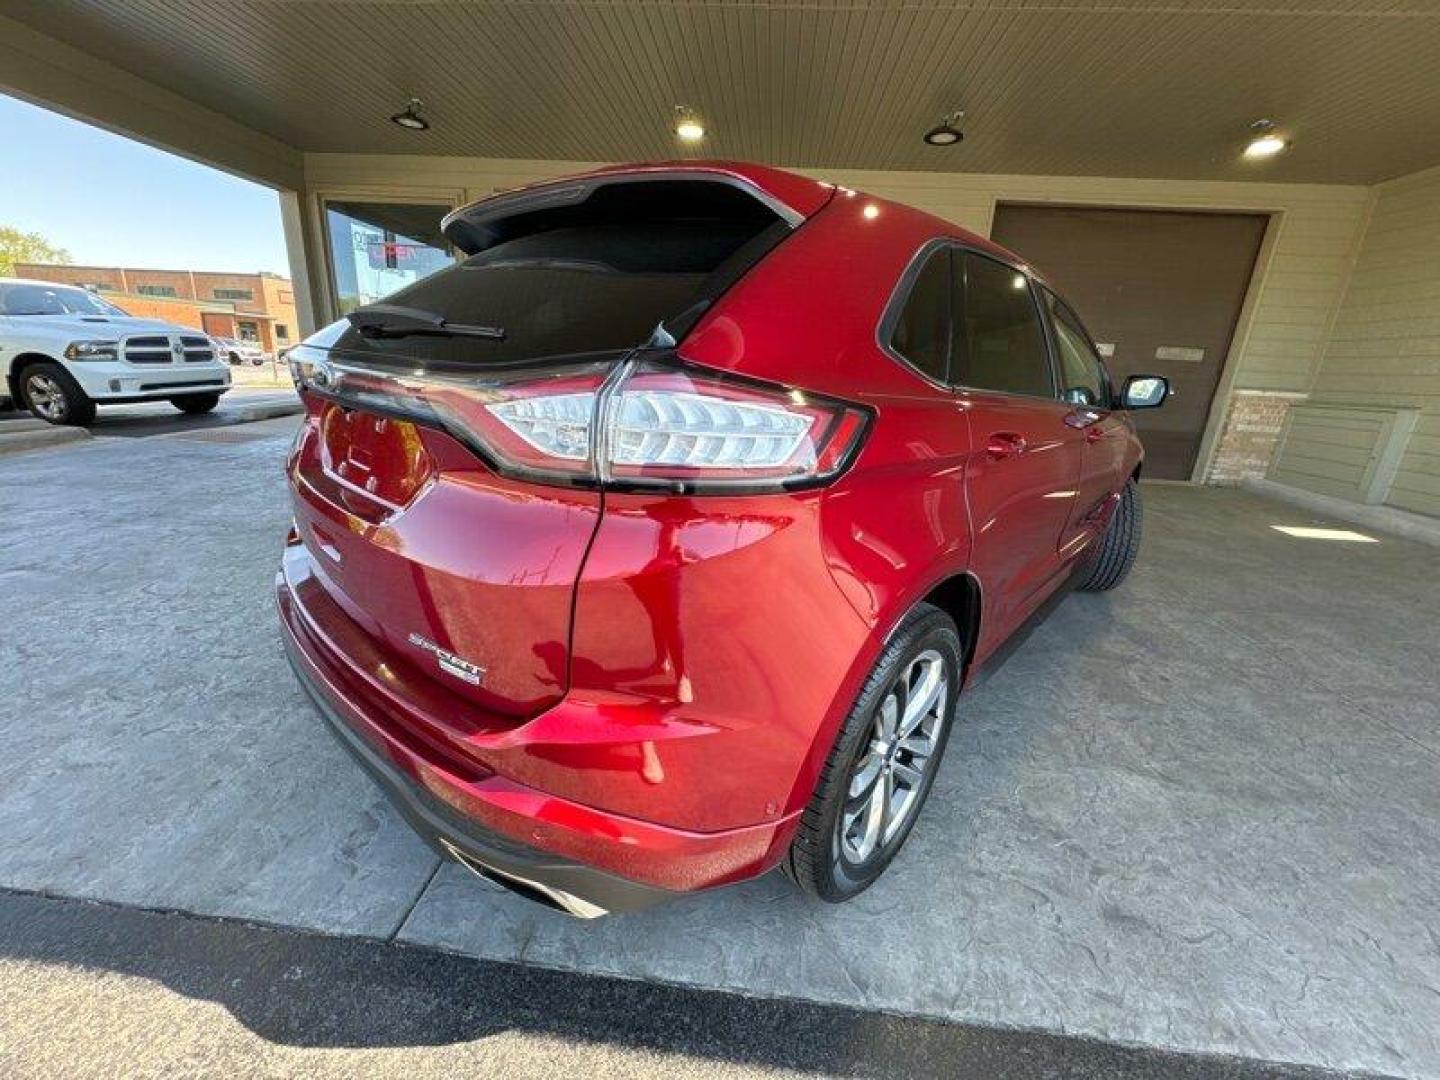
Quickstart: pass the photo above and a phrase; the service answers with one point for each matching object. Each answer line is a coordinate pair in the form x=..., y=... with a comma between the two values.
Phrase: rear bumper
x=524, y=837
x=574, y=888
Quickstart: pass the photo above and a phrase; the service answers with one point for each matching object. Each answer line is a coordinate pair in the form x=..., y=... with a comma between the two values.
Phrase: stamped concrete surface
x=153, y=746
x=1202, y=812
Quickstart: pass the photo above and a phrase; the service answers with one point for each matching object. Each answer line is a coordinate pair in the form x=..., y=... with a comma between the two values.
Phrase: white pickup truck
x=64, y=350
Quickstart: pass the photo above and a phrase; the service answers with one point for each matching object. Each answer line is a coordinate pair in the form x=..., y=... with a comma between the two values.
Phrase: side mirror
x=1144, y=392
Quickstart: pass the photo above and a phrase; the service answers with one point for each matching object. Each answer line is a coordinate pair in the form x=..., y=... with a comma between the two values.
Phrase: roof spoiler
x=481, y=224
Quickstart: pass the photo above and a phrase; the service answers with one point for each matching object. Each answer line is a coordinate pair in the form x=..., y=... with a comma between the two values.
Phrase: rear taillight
x=665, y=426
x=658, y=425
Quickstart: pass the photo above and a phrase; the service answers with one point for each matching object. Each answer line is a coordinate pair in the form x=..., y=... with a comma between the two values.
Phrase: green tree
x=19, y=247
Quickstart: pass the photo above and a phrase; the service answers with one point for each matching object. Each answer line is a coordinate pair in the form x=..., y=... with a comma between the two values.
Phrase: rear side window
x=1082, y=376
x=922, y=330
x=999, y=342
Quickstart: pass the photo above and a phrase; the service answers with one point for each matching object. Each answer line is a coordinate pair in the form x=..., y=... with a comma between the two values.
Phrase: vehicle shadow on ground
x=312, y=991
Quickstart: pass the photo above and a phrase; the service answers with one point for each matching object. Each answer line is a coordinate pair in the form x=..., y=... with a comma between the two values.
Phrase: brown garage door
x=1162, y=289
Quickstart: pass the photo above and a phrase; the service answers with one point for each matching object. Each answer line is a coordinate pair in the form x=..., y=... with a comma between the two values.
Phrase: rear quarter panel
x=781, y=603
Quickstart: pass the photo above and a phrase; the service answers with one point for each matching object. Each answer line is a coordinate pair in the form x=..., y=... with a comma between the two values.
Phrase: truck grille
x=197, y=349
x=162, y=349
x=148, y=350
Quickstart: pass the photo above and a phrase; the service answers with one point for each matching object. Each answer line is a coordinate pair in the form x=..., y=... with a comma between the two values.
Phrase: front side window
x=999, y=343
x=922, y=330
x=1081, y=373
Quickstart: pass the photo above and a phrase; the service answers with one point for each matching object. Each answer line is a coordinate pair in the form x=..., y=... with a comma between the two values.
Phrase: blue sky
x=115, y=202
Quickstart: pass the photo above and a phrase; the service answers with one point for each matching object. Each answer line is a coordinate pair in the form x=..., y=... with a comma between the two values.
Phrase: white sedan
x=239, y=351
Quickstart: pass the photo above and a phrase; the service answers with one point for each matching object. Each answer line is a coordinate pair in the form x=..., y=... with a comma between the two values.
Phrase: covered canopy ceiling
x=1145, y=88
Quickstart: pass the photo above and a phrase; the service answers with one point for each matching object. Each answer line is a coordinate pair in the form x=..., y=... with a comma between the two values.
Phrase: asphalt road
x=161, y=418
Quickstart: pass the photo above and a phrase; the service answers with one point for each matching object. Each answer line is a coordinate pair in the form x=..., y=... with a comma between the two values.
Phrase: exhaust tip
x=546, y=895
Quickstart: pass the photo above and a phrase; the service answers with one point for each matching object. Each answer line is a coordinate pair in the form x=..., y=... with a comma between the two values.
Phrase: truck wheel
x=1116, y=551
x=196, y=403
x=883, y=764
x=51, y=394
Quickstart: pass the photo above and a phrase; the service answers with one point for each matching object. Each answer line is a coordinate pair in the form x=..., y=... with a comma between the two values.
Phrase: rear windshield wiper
x=396, y=320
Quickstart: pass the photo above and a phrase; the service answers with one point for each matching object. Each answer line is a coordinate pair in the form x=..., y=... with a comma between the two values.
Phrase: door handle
x=1004, y=444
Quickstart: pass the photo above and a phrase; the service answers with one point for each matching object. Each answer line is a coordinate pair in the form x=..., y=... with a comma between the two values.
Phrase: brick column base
x=1252, y=428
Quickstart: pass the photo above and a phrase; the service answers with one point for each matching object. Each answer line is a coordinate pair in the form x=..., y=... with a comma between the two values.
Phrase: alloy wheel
x=890, y=772
x=46, y=396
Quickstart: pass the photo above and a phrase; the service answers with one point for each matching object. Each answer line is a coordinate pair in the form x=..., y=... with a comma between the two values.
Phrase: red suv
x=649, y=547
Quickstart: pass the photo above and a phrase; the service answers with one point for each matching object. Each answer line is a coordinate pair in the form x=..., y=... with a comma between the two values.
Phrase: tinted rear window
x=577, y=288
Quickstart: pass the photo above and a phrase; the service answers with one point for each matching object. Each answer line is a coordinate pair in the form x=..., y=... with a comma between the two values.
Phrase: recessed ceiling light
x=688, y=127
x=409, y=118
x=945, y=133
x=1265, y=140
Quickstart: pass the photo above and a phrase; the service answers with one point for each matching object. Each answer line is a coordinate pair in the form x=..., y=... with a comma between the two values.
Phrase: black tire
x=258, y=361
x=64, y=402
x=235, y=360
x=196, y=403
x=1115, y=554
x=815, y=860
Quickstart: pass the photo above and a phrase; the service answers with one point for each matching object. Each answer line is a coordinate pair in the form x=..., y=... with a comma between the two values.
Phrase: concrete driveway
x=1201, y=813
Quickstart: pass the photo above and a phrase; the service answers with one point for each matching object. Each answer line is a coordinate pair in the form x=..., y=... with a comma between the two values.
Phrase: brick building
x=252, y=307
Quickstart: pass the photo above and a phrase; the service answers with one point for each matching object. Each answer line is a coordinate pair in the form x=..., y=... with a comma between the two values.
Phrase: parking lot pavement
x=1202, y=812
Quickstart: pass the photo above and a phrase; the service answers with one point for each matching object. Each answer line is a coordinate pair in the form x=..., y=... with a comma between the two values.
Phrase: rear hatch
x=445, y=479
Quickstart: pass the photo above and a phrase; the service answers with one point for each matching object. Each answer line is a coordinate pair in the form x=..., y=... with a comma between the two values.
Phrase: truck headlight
x=91, y=350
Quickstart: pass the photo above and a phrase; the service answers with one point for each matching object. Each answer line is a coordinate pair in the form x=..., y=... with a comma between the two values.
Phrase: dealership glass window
x=234, y=294
x=378, y=248
x=1081, y=371
x=155, y=290
x=248, y=331
x=282, y=331
x=999, y=342
x=922, y=331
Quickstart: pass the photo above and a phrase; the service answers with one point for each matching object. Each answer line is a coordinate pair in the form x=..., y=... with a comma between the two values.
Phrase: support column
x=309, y=303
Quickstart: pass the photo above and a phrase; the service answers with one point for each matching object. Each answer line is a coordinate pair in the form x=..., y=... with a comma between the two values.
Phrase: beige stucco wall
x=1385, y=348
